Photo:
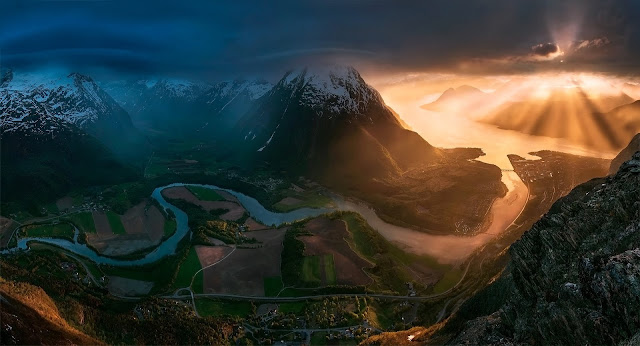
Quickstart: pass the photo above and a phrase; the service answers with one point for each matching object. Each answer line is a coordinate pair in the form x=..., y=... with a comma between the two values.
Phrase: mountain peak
x=78, y=77
x=335, y=88
x=324, y=76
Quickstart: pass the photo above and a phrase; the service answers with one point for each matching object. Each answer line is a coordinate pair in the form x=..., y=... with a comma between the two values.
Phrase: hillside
x=572, y=277
x=329, y=124
x=75, y=99
x=30, y=317
x=46, y=157
x=453, y=97
x=625, y=154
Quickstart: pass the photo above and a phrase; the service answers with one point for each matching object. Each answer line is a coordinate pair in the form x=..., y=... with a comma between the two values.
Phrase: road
x=32, y=221
x=318, y=296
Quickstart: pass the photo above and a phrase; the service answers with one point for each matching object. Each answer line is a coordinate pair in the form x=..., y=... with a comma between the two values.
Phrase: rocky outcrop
x=625, y=154
x=576, y=274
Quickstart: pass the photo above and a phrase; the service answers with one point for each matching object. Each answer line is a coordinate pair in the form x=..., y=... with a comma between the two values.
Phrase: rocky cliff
x=574, y=278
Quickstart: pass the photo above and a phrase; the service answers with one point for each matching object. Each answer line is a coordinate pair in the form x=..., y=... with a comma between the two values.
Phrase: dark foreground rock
x=574, y=278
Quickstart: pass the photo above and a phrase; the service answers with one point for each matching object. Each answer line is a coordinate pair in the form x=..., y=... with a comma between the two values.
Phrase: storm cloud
x=545, y=49
x=215, y=38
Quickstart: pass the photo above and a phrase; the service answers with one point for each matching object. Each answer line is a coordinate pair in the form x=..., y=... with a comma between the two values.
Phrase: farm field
x=60, y=230
x=210, y=307
x=115, y=223
x=245, y=270
x=84, y=221
x=187, y=270
x=205, y=194
x=234, y=210
x=331, y=260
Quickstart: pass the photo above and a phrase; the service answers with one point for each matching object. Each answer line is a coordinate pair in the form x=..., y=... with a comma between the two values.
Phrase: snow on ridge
x=335, y=88
x=72, y=98
x=178, y=88
x=231, y=89
x=269, y=140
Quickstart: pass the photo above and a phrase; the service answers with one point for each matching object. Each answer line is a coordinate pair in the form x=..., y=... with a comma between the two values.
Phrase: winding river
x=168, y=247
x=445, y=248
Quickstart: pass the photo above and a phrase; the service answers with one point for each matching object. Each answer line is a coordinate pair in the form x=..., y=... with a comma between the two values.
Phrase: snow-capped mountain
x=42, y=103
x=314, y=116
x=332, y=90
x=227, y=101
x=149, y=101
x=187, y=107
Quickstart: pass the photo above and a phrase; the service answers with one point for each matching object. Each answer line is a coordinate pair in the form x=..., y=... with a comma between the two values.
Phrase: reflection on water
x=450, y=131
x=454, y=131
x=450, y=248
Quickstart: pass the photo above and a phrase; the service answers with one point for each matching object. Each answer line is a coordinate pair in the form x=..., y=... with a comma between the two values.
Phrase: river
x=450, y=249
x=168, y=247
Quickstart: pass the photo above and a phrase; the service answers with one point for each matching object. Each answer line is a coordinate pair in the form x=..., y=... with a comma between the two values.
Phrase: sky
x=218, y=39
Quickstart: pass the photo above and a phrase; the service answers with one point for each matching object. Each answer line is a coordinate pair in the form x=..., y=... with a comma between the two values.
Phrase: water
x=168, y=247
x=450, y=249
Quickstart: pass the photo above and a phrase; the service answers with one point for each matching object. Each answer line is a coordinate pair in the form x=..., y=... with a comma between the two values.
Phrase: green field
x=187, y=270
x=208, y=307
x=319, y=338
x=161, y=272
x=115, y=223
x=205, y=194
x=449, y=280
x=60, y=230
x=272, y=286
x=311, y=270
x=198, y=283
x=372, y=246
x=308, y=199
x=292, y=308
x=329, y=270
x=84, y=222
x=170, y=227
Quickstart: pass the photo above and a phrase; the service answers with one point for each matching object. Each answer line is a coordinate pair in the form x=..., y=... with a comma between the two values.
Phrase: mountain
x=625, y=154
x=44, y=157
x=226, y=102
x=186, y=108
x=326, y=115
x=571, y=114
x=30, y=317
x=632, y=90
x=627, y=116
x=572, y=278
x=328, y=124
x=60, y=133
x=452, y=97
x=158, y=104
x=74, y=98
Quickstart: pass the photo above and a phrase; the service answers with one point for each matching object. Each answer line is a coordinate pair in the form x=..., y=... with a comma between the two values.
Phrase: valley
x=314, y=245
x=320, y=173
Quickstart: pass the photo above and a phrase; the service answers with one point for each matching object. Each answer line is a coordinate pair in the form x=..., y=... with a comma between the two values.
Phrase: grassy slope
x=36, y=318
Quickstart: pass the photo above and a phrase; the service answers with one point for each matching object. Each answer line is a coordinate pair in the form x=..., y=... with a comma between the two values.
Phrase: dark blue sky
x=215, y=38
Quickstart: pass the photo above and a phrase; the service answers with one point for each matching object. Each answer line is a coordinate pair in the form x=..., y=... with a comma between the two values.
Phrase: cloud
x=594, y=43
x=545, y=49
x=217, y=40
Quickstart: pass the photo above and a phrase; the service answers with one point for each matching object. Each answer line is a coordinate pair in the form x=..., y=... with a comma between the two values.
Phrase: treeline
x=205, y=224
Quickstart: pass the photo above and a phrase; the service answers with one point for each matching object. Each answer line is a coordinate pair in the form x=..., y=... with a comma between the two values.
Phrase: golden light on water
x=566, y=107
